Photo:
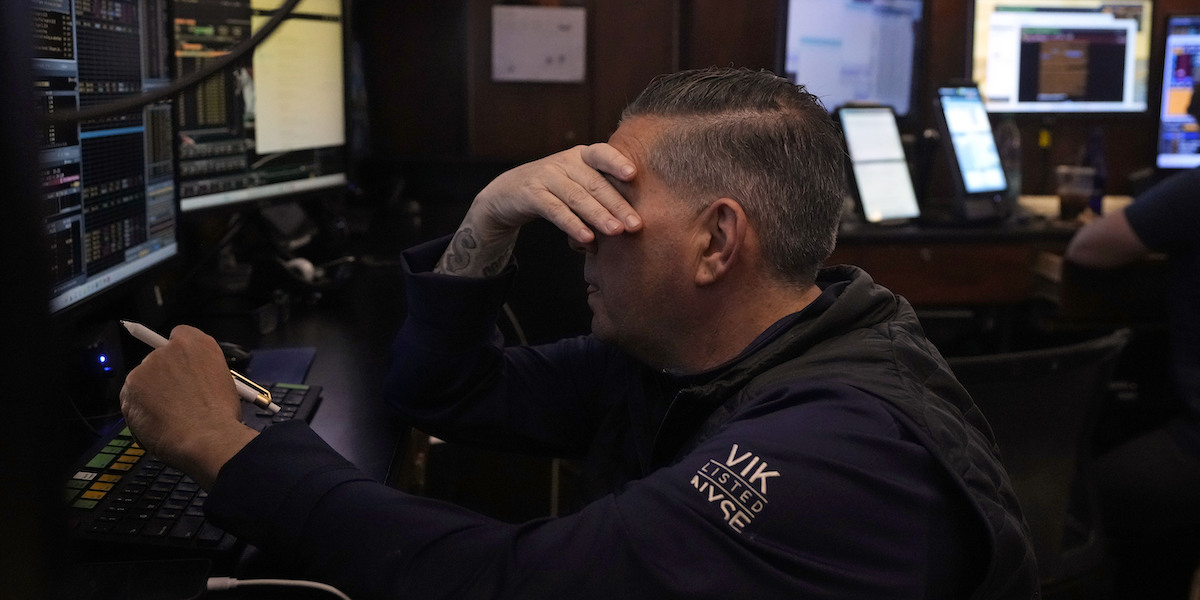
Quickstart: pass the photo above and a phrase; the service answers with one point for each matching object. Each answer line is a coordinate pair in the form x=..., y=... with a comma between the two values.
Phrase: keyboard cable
x=220, y=584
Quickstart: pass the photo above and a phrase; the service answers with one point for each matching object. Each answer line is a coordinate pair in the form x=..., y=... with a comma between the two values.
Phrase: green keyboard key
x=85, y=504
x=101, y=461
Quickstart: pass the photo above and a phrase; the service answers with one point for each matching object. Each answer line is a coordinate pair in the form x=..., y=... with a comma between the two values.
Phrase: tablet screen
x=971, y=138
x=881, y=177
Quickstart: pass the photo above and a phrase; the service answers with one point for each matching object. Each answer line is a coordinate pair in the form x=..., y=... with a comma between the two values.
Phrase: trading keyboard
x=125, y=503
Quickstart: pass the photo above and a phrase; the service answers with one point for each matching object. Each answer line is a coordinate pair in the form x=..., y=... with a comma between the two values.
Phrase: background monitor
x=880, y=178
x=274, y=127
x=1062, y=56
x=847, y=51
x=1178, y=131
x=108, y=184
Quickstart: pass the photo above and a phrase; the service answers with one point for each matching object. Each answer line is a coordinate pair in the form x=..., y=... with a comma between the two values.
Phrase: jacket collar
x=850, y=299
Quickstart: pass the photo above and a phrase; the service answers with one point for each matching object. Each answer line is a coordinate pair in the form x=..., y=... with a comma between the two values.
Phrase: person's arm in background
x=1105, y=242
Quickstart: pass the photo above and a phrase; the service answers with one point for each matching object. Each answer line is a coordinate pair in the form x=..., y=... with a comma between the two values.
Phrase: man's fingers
x=579, y=190
x=606, y=159
x=608, y=171
x=556, y=210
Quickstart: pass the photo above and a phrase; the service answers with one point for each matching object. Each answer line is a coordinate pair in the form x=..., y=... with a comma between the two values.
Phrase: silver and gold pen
x=247, y=389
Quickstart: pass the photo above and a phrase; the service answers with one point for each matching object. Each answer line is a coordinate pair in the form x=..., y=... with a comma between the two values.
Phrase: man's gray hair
x=761, y=140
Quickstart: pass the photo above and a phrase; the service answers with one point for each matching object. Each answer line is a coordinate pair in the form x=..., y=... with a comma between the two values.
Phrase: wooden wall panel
x=721, y=33
x=514, y=120
x=413, y=59
x=428, y=71
x=629, y=42
x=632, y=41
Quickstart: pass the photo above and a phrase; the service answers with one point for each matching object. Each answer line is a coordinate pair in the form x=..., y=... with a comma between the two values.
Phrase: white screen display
x=298, y=79
x=853, y=50
x=1054, y=56
x=269, y=128
x=881, y=175
x=971, y=137
x=1178, y=131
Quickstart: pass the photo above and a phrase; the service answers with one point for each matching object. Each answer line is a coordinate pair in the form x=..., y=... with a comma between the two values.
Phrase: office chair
x=1043, y=407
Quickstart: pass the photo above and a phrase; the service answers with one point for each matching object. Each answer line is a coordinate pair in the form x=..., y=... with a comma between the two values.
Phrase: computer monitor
x=108, y=184
x=271, y=128
x=847, y=51
x=1062, y=56
x=1178, y=130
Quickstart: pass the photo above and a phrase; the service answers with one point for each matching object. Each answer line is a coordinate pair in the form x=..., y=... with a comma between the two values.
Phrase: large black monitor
x=109, y=183
x=1178, y=130
x=269, y=128
x=1062, y=56
x=848, y=51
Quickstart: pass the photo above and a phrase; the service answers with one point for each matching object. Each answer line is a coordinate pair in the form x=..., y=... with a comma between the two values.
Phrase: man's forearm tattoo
x=460, y=256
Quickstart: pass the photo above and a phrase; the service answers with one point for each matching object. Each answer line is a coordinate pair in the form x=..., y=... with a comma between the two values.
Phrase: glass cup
x=1075, y=186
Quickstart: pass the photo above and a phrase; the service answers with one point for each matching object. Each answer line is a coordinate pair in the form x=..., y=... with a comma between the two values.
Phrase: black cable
x=180, y=85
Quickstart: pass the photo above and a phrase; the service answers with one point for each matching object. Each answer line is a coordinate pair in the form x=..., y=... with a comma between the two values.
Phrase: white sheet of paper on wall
x=538, y=43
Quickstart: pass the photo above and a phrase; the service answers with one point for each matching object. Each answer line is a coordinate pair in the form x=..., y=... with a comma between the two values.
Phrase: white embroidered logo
x=741, y=493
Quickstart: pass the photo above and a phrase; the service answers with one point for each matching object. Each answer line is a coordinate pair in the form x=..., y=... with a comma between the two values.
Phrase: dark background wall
x=431, y=97
x=440, y=129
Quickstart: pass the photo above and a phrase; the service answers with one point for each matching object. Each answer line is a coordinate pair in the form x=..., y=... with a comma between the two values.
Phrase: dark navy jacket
x=835, y=458
x=1164, y=219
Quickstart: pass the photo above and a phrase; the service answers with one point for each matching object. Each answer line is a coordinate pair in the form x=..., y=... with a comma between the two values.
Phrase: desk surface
x=1031, y=230
x=351, y=330
x=1039, y=223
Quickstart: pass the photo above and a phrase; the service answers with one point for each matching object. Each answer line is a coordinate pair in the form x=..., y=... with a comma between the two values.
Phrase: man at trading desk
x=752, y=426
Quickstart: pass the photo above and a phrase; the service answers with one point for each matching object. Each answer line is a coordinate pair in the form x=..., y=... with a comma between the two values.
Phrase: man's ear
x=725, y=231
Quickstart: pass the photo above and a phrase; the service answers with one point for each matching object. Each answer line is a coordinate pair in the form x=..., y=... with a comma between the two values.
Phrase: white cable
x=220, y=584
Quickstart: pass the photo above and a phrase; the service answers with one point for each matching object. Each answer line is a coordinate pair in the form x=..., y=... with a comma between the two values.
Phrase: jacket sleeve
x=1164, y=217
x=451, y=374
x=821, y=499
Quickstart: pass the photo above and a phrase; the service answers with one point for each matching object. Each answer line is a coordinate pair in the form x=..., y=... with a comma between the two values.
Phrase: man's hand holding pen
x=183, y=407
x=247, y=389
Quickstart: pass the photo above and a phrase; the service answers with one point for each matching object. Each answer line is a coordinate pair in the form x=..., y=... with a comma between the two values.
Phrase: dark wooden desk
x=1006, y=287
x=351, y=330
x=944, y=266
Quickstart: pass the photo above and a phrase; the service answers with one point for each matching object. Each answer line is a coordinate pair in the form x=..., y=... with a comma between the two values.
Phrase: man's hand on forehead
x=579, y=190
x=575, y=189
x=616, y=170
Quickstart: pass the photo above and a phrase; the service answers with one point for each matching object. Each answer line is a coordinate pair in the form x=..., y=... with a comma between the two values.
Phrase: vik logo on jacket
x=738, y=486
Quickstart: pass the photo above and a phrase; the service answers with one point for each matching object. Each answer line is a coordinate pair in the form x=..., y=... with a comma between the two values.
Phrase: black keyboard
x=124, y=503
